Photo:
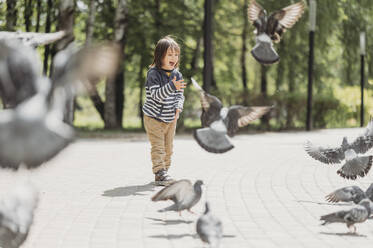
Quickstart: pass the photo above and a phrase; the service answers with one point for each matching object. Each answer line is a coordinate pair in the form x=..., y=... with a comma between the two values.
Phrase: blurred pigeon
x=183, y=193
x=350, y=193
x=209, y=228
x=19, y=72
x=16, y=215
x=270, y=28
x=358, y=214
x=220, y=122
x=34, y=131
x=354, y=165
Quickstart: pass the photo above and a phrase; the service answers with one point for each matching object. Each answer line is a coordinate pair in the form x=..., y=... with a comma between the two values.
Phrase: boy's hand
x=179, y=84
x=177, y=114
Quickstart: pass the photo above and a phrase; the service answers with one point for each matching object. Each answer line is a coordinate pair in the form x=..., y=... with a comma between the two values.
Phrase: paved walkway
x=266, y=191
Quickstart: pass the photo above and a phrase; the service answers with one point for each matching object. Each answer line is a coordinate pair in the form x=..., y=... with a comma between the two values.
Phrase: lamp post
x=312, y=14
x=362, y=57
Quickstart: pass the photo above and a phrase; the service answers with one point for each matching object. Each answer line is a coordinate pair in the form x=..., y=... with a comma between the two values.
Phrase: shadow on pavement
x=129, y=190
x=345, y=234
x=326, y=203
x=174, y=236
x=169, y=222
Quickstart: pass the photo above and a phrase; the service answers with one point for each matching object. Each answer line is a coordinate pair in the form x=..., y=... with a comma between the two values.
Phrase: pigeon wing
x=254, y=11
x=175, y=191
x=240, y=116
x=355, y=167
x=345, y=194
x=288, y=16
x=211, y=106
x=325, y=155
x=284, y=19
x=362, y=144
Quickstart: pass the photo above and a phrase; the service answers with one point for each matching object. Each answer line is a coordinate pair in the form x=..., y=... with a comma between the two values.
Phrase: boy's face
x=170, y=59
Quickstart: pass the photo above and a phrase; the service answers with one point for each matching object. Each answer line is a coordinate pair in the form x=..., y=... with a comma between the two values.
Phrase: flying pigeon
x=358, y=214
x=219, y=122
x=350, y=193
x=34, y=132
x=354, y=165
x=19, y=72
x=183, y=193
x=16, y=215
x=209, y=228
x=270, y=28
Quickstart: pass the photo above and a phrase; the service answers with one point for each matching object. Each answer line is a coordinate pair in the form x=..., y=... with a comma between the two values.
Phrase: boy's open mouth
x=172, y=63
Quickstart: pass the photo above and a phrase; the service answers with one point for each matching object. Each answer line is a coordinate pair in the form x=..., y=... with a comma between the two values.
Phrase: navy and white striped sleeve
x=157, y=92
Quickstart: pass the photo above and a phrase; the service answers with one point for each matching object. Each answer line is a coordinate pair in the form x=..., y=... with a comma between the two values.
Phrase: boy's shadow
x=129, y=190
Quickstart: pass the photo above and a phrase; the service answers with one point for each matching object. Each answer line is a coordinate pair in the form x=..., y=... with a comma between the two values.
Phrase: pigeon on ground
x=219, y=122
x=209, y=228
x=183, y=193
x=34, y=132
x=16, y=215
x=270, y=28
x=358, y=214
x=354, y=165
x=350, y=193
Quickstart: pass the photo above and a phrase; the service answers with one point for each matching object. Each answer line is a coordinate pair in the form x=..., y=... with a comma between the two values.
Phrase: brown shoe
x=162, y=178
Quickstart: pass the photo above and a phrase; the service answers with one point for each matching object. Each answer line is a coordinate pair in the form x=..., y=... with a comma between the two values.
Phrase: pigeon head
x=207, y=207
x=367, y=204
x=344, y=143
x=198, y=183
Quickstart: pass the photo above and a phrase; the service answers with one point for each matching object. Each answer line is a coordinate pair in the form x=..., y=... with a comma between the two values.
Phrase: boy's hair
x=161, y=50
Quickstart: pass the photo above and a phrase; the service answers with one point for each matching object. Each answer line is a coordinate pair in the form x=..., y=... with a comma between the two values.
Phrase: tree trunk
x=47, y=30
x=243, y=54
x=66, y=23
x=38, y=12
x=114, y=88
x=194, y=61
x=208, y=68
x=11, y=15
x=90, y=22
x=27, y=14
x=92, y=90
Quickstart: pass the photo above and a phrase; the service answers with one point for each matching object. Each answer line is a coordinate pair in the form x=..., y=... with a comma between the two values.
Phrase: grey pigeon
x=16, y=215
x=350, y=193
x=358, y=214
x=34, y=132
x=354, y=165
x=271, y=28
x=219, y=122
x=19, y=72
x=209, y=228
x=183, y=193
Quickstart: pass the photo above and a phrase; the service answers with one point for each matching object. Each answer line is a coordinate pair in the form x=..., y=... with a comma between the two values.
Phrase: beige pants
x=161, y=137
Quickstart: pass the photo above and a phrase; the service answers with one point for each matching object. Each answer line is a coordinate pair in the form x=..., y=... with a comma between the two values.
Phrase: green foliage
x=336, y=70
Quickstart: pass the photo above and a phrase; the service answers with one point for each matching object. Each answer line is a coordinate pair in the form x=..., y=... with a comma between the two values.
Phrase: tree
x=208, y=68
x=114, y=87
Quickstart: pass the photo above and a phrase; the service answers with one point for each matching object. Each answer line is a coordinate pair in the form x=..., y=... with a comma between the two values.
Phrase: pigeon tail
x=359, y=166
x=212, y=141
x=170, y=208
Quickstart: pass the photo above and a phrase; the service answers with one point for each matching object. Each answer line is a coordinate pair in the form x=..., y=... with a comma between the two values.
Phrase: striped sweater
x=162, y=98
